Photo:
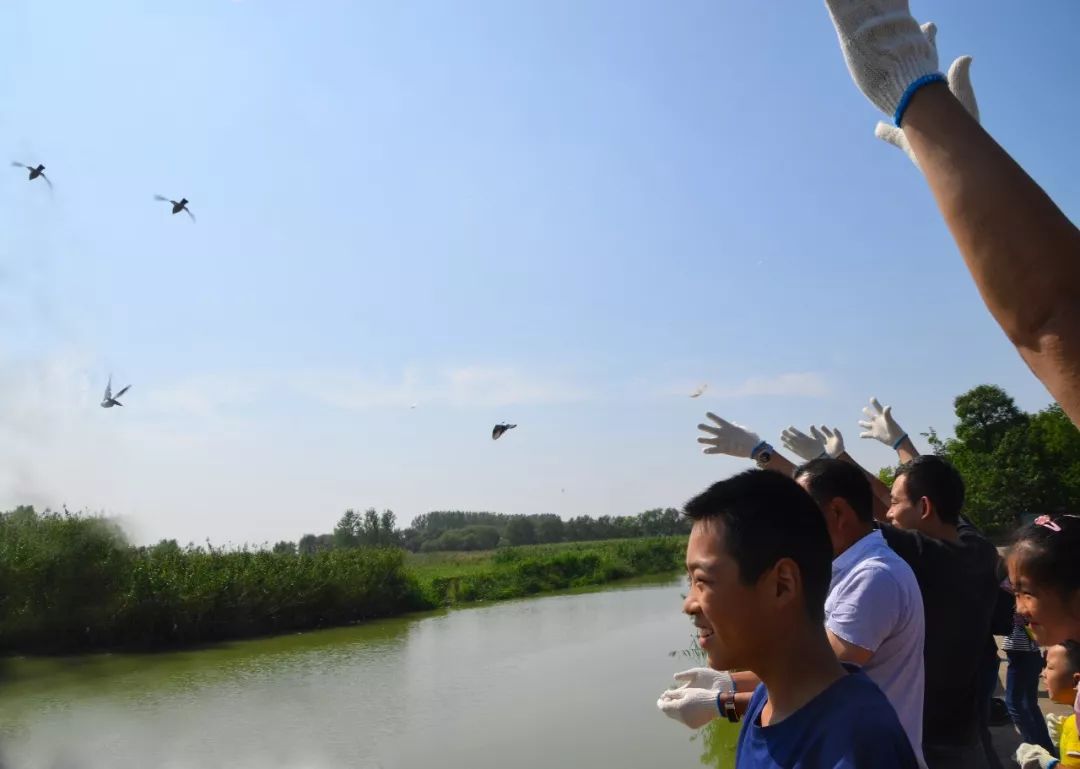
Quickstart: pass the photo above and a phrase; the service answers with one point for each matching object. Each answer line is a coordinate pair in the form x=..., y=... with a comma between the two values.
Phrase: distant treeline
x=459, y=530
x=72, y=583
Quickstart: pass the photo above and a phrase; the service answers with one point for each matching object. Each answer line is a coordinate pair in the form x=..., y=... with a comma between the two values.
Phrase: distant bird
x=697, y=393
x=110, y=400
x=499, y=429
x=34, y=172
x=177, y=205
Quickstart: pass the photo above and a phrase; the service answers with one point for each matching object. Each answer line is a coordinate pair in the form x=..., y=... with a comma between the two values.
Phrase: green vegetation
x=72, y=583
x=522, y=571
x=465, y=531
x=1014, y=463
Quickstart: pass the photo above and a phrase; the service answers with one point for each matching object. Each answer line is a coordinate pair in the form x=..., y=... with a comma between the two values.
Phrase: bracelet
x=899, y=441
x=909, y=92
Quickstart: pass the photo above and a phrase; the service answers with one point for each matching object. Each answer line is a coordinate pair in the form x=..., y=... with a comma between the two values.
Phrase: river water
x=559, y=681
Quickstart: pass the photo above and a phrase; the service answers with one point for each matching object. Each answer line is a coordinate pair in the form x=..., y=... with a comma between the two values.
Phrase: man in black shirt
x=955, y=567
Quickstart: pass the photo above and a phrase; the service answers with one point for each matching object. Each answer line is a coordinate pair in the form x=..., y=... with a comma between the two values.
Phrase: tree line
x=459, y=530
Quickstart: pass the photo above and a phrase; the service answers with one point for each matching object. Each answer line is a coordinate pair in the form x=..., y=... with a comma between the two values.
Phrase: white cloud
x=202, y=396
x=807, y=384
x=466, y=386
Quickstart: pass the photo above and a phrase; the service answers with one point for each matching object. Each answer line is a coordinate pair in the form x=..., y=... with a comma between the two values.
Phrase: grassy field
x=450, y=578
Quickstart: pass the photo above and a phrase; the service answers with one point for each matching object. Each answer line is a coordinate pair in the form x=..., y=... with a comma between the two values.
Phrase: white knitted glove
x=1054, y=722
x=959, y=80
x=731, y=439
x=1034, y=757
x=884, y=48
x=705, y=678
x=880, y=425
x=694, y=707
x=825, y=442
x=807, y=447
x=834, y=440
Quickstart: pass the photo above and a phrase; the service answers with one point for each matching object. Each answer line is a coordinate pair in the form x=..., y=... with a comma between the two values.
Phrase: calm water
x=562, y=681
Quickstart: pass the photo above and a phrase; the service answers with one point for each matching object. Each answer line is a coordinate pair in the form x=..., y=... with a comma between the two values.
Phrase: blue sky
x=561, y=214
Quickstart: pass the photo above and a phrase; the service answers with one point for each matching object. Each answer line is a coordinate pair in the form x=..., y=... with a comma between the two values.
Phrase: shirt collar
x=857, y=552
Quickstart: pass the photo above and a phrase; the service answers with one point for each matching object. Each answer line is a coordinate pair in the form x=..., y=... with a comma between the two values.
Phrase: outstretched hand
x=723, y=437
x=880, y=425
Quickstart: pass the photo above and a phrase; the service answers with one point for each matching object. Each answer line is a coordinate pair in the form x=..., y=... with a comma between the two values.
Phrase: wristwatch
x=762, y=454
x=726, y=698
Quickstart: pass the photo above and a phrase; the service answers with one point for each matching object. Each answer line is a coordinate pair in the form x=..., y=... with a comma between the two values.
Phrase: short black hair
x=768, y=516
x=1046, y=552
x=1072, y=655
x=829, y=478
x=936, y=479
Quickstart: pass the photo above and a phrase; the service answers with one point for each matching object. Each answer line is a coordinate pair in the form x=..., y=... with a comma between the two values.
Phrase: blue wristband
x=759, y=448
x=905, y=100
x=901, y=440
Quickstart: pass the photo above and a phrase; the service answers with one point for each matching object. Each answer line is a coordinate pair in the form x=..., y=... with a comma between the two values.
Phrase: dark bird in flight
x=499, y=429
x=177, y=205
x=35, y=172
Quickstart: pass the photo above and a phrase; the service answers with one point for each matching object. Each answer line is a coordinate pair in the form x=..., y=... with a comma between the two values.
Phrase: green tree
x=520, y=531
x=550, y=528
x=1013, y=463
x=347, y=531
x=285, y=548
x=984, y=415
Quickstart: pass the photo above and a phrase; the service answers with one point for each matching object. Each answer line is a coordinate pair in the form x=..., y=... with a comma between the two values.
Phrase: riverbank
x=72, y=584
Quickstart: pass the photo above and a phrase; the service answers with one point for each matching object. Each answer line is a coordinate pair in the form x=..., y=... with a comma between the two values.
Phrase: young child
x=1062, y=677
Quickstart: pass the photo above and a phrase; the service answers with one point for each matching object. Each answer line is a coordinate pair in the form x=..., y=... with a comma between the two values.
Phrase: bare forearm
x=907, y=452
x=881, y=491
x=781, y=464
x=1022, y=251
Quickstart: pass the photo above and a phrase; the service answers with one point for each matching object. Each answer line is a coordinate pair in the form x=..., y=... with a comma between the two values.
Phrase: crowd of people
x=849, y=624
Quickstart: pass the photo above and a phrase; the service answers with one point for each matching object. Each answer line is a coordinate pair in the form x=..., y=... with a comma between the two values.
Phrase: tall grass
x=71, y=583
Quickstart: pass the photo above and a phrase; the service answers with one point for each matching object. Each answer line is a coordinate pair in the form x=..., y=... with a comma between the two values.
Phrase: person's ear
x=787, y=582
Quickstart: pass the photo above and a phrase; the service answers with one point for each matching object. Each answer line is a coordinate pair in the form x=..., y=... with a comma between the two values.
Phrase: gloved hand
x=959, y=80
x=731, y=439
x=705, y=678
x=885, y=50
x=1034, y=757
x=1054, y=722
x=834, y=440
x=881, y=426
x=694, y=707
x=820, y=443
x=807, y=447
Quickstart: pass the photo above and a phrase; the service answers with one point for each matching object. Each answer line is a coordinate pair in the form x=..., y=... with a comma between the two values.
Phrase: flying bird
x=111, y=400
x=177, y=205
x=35, y=172
x=697, y=393
x=499, y=429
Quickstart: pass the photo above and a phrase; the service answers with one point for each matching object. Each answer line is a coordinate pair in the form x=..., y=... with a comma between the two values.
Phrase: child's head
x=1062, y=672
x=1045, y=572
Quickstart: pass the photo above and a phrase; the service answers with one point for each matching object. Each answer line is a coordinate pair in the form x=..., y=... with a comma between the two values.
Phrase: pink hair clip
x=1048, y=522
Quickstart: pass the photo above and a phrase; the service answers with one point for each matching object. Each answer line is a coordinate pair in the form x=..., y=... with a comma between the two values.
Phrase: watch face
x=764, y=457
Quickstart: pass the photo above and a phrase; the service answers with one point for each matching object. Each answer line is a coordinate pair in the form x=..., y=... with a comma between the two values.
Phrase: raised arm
x=723, y=437
x=880, y=425
x=1022, y=251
